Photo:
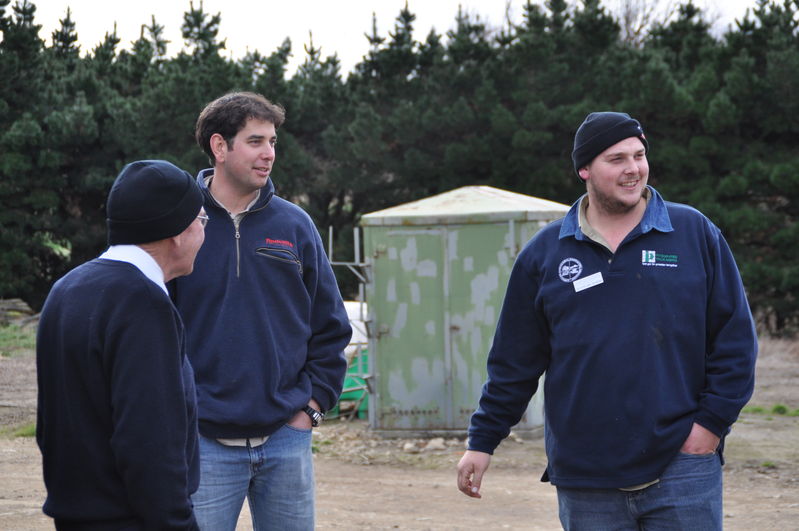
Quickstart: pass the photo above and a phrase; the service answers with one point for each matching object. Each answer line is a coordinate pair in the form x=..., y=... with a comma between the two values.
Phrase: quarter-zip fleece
x=636, y=346
x=265, y=321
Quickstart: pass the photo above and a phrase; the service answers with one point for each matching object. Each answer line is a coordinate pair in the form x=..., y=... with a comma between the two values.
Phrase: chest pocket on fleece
x=281, y=255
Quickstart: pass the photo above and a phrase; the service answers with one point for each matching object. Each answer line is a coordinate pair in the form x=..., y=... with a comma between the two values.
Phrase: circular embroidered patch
x=570, y=269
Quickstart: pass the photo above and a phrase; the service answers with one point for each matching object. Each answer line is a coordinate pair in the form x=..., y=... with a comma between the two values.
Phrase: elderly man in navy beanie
x=634, y=309
x=116, y=420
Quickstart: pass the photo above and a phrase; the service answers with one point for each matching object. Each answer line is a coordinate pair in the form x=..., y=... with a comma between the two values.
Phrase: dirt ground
x=364, y=482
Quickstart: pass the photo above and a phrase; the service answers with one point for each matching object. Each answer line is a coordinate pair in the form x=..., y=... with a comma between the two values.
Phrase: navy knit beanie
x=151, y=200
x=599, y=131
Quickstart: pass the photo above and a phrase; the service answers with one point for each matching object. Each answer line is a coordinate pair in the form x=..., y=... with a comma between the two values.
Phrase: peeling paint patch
x=409, y=255
x=391, y=290
x=392, y=253
x=452, y=248
x=422, y=385
x=427, y=268
x=490, y=316
x=425, y=371
x=502, y=258
x=483, y=285
x=468, y=263
x=461, y=367
x=509, y=240
x=430, y=328
x=400, y=320
x=416, y=296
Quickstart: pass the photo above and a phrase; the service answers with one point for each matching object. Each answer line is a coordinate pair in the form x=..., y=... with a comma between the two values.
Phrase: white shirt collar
x=135, y=255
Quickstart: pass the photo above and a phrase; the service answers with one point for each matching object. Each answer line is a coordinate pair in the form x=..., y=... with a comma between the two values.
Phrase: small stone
x=410, y=448
x=515, y=437
x=435, y=445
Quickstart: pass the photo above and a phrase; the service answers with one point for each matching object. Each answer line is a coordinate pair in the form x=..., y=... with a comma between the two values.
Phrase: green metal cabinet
x=437, y=273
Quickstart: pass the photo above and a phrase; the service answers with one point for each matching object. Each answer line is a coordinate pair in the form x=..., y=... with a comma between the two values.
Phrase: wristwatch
x=316, y=416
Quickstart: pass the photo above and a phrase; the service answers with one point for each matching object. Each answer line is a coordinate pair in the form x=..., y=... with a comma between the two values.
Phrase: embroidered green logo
x=654, y=258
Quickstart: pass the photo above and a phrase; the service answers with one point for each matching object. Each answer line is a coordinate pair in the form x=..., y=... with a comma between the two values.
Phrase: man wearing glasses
x=116, y=421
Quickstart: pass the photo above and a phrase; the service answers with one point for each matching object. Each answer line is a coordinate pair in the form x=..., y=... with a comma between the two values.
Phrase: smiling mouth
x=630, y=184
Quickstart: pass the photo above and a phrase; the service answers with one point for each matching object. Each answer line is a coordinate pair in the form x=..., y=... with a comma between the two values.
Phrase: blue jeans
x=276, y=478
x=687, y=498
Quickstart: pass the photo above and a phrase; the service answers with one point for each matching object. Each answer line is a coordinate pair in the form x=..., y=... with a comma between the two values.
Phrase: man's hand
x=471, y=468
x=700, y=441
x=301, y=420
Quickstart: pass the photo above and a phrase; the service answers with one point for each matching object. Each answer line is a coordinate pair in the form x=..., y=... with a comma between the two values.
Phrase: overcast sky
x=337, y=26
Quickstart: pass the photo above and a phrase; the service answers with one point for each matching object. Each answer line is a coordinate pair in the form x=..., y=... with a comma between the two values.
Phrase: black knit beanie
x=151, y=200
x=599, y=131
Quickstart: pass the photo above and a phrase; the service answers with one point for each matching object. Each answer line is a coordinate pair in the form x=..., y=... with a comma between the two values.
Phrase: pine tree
x=200, y=32
x=65, y=39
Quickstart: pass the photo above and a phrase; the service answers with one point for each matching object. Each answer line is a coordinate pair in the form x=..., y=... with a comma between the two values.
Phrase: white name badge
x=588, y=282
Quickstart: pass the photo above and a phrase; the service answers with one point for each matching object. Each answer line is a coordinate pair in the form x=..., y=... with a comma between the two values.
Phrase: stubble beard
x=613, y=206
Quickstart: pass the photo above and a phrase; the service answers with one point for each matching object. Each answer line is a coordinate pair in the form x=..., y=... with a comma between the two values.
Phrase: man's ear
x=583, y=173
x=176, y=241
x=218, y=147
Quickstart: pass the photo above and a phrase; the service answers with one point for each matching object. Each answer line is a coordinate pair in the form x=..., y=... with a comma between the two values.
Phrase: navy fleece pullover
x=637, y=345
x=266, y=324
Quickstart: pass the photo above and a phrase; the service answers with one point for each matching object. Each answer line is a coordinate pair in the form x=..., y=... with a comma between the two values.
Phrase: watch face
x=315, y=415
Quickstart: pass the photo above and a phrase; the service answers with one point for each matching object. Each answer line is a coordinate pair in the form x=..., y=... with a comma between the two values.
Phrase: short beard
x=610, y=205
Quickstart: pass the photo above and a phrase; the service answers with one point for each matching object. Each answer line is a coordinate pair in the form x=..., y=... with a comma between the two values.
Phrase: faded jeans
x=276, y=478
x=687, y=498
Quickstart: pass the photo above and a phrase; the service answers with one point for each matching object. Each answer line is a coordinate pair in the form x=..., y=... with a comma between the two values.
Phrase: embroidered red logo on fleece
x=284, y=243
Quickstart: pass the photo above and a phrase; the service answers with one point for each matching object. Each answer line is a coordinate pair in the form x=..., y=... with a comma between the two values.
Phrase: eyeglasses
x=203, y=219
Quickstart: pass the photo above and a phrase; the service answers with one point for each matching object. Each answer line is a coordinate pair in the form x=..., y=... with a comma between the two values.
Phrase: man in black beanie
x=634, y=308
x=116, y=420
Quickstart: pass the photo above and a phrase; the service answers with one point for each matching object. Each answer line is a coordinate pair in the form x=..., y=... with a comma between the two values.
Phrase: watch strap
x=316, y=416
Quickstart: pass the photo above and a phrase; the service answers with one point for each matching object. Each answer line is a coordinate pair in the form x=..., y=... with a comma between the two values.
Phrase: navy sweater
x=636, y=346
x=117, y=422
x=265, y=320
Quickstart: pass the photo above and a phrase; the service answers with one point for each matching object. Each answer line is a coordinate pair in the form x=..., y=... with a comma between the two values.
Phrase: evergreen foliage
x=479, y=105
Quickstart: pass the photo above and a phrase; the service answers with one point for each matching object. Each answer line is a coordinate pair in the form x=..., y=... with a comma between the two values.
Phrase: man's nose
x=631, y=167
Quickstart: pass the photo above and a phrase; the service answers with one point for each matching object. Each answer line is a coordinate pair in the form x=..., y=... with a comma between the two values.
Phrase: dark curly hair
x=228, y=115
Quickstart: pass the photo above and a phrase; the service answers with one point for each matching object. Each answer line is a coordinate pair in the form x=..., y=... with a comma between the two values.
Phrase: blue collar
x=264, y=195
x=655, y=217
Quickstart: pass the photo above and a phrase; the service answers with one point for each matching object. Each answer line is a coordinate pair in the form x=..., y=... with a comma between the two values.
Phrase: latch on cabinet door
x=382, y=330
